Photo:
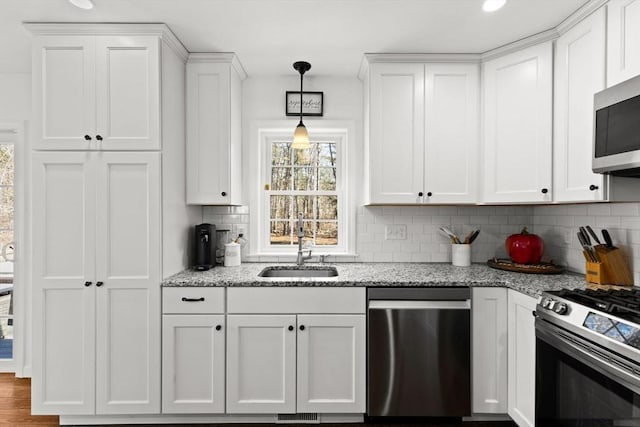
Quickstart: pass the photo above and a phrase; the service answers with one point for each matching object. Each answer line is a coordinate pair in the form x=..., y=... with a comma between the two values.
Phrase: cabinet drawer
x=192, y=300
x=296, y=300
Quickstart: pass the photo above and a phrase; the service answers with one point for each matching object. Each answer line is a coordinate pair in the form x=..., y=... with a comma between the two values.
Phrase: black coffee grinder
x=205, y=247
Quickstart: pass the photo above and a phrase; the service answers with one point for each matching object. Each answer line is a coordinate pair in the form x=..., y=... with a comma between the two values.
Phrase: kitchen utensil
x=473, y=236
x=585, y=235
x=593, y=234
x=461, y=255
x=450, y=234
x=588, y=251
x=607, y=238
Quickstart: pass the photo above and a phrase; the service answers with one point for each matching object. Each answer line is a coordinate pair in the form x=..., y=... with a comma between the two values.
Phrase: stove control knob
x=552, y=305
x=545, y=302
x=560, y=308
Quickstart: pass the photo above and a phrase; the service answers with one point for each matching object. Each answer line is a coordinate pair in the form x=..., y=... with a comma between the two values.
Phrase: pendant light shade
x=301, y=136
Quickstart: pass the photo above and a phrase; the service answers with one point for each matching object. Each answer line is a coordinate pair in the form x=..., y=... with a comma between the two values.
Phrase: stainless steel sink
x=306, y=271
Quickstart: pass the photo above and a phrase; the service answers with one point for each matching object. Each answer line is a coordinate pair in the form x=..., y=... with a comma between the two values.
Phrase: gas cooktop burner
x=622, y=303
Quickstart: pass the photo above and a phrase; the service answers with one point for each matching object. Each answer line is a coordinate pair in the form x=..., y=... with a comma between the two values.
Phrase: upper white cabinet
x=623, y=40
x=579, y=74
x=422, y=132
x=214, y=94
x=96, y=269
x=95, y=92
x=517, y=126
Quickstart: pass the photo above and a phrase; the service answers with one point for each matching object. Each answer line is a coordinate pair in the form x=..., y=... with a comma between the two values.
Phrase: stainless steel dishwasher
x=419, y=352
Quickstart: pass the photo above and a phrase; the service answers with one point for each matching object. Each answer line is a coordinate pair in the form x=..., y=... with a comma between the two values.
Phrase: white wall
x=15, y=96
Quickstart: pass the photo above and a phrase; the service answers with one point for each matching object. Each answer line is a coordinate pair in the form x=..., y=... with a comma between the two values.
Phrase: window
x=304, y=181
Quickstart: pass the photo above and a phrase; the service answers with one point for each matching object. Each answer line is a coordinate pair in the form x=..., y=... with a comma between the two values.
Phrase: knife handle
x=593, y=234
x=607, y=238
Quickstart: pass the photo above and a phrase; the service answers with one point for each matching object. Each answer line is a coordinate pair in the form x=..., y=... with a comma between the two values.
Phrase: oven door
x=579, y=384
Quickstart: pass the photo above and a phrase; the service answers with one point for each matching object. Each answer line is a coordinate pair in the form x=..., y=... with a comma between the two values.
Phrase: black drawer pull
x=218, y=327
x=87, y=138
x=185, y=299
x=87, y=283
x=98, y=284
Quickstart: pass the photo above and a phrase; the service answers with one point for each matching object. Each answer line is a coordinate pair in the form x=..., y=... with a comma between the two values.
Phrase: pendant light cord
x=301, y=74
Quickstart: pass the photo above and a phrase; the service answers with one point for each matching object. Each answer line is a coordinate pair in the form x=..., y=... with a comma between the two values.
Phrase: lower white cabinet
x=193, y=352
x=522, y=358
x=489, y=351
x=294, y=364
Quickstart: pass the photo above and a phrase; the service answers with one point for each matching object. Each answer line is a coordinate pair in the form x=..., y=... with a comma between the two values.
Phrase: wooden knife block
x=611, y=270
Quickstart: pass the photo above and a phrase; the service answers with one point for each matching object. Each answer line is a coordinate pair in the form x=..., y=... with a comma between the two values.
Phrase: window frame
x=268, y=132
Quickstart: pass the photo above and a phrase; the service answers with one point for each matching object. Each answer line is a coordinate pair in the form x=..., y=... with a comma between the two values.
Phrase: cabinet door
x=517, y=126
x=452, y=133
x=63, y=284
x=208, y=133
x=579, y=74
x=63, y=92
x=331, y=363
x=396, y=140
x=623, y=40
x=193, y=364
x=128, y=93
x=489, y=338
x=128, y=265
x=261, y=364
x=522, y=358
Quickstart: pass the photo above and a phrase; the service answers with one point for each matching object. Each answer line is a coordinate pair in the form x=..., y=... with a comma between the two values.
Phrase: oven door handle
x=587, y=354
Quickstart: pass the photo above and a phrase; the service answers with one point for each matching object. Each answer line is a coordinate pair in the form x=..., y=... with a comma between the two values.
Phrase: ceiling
x=269, y=35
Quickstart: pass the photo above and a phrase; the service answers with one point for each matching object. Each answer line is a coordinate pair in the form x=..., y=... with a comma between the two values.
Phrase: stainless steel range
x=588, y=358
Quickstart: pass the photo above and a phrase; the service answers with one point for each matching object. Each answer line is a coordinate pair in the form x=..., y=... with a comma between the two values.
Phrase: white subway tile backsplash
x=599, y=209
x=625, y=209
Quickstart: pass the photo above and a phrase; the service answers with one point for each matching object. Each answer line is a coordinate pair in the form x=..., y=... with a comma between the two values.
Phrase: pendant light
x=301, y=136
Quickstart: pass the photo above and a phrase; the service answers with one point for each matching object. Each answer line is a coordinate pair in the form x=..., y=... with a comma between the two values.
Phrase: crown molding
x=517, y=45
x=580, y=14
x=219, y=57
x=462, y=58
x=104, y=29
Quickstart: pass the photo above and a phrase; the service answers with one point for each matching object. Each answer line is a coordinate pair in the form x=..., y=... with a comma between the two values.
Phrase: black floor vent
x=306, y=418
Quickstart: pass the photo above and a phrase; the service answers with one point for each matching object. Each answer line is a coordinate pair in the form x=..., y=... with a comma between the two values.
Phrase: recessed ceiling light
x=493, y=5
x=82, y=4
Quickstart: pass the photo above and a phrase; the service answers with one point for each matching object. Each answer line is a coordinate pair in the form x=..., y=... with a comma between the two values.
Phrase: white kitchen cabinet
x=489, y=353
x=623, y=40
x=214, y=129
x=518, y=126
x=95, y=92
x=96, y=269
x=331, y=375
x=309, y=357
x=579, y=74
x=261, y=364
x=423, y=138
x=193, y=362
x=522, y=358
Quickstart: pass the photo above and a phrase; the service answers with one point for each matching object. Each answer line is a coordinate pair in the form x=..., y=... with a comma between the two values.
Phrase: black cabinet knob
x=87, y=138
x=98, y=284
x=593, y=187
x=290, y=328
x=98, y=137
x=87, y=283
x=544, y=191
x=429, y=194
x=302, y=327
x=420, y=194
x=224, y=193
x=218, y=327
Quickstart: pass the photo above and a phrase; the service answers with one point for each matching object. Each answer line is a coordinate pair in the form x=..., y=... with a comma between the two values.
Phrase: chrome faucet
x=301, y=256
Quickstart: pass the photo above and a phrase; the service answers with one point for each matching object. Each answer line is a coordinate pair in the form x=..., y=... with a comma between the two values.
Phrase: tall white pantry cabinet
x=107, y=191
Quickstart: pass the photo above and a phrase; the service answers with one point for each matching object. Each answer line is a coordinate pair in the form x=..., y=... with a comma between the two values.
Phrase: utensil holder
x=461, y=255
x=611, y=270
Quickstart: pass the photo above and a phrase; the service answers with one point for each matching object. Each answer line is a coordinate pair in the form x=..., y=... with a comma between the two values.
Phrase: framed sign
x=312, y=103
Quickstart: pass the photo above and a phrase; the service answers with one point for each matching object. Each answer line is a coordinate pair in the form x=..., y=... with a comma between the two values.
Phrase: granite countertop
x=382, y=274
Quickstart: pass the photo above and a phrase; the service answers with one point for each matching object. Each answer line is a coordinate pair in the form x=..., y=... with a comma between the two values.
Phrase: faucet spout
x=301, y=256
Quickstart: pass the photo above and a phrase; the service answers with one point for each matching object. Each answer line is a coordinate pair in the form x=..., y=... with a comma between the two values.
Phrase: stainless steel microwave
x=616, y=147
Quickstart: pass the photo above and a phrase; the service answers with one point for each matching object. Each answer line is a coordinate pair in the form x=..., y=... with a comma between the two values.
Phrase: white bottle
x=231, y=254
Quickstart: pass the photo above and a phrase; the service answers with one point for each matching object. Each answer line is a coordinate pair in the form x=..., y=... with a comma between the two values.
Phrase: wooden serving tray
x=508, y=265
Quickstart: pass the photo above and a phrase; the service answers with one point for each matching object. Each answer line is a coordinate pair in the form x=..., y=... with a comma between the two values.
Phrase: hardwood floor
x=15, y=410
x=15, y=404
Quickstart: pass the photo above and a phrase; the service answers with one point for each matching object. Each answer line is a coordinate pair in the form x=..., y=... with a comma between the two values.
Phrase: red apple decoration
x=524, y=248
